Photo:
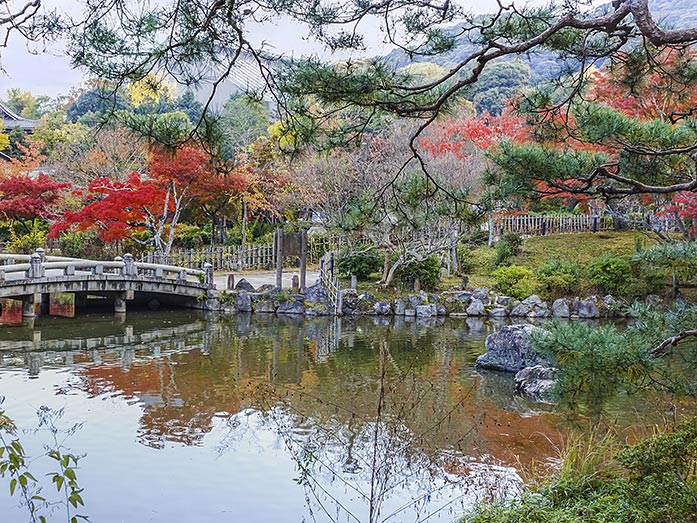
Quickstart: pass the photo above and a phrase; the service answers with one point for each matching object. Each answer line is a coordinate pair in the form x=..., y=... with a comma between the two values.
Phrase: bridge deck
x=122, y=279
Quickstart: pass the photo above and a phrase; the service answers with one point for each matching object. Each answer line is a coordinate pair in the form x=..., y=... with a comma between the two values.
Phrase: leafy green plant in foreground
x=653, y=481
x=15, y=468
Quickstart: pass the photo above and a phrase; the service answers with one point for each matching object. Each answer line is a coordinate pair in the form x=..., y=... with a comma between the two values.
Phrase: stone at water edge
x=426, y=311
x=560, y=308
x=520, y=310
x=536, y=381
x=414, y=300
x=291, y=307
x=316, y=294
x=243, y=302
x=510, y=349
x=382, y=308
x=587, y=310
x=476, y=308
x=400, y=306
x=265, y=306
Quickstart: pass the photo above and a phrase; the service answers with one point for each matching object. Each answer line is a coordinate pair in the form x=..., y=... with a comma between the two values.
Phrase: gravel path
x=259, y=278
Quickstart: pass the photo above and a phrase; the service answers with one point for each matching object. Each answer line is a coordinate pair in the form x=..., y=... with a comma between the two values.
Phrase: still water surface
x=188, y=418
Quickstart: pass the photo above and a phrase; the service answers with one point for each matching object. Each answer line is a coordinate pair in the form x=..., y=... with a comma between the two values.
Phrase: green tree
x=25, y=104
x=242, y=121
x=498, y=84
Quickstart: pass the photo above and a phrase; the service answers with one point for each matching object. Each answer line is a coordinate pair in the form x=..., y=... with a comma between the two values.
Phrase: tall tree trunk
x=244, y=222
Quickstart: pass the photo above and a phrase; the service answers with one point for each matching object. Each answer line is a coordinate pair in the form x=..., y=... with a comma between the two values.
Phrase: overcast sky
x=50, y=73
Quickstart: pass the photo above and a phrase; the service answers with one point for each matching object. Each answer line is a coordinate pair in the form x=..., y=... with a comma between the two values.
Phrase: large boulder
x=536, y=381
x=243, y=301
x=316, y=294
x=476, y=308
x=291, y=307
x=560, y=308
x=382, y=308
x=265, y=306
x=586, y=309
x=426, y=311
x=510, y=349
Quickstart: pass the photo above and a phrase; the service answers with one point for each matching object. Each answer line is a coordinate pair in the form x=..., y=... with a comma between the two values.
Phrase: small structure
x=12, y=120
x=290, y=244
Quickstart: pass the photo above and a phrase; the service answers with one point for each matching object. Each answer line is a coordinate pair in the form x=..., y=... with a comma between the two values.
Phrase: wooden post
x=279, y=257
x=303, y=260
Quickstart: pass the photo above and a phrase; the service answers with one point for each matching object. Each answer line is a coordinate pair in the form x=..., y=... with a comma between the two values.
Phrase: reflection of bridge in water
x=32, y=279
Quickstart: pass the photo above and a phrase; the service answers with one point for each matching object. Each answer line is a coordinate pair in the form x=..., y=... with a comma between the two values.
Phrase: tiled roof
x=12, y=120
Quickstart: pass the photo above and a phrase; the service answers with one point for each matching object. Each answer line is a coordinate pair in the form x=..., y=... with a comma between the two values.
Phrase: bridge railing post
x=35, y=267
x=41, y=253
x=129, y=265
x=208, y=275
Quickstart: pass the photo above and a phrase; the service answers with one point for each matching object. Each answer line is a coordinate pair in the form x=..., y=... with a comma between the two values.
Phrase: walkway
x=259, y=278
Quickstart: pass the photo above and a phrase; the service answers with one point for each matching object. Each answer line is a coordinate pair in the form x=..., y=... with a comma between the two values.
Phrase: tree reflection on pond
x=380, y=417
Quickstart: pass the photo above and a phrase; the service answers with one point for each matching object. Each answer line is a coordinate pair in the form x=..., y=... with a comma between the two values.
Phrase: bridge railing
x=57, y=267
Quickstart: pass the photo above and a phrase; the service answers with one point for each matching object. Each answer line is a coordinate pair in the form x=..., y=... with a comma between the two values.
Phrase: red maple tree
x=24, y=198
x=152, y=204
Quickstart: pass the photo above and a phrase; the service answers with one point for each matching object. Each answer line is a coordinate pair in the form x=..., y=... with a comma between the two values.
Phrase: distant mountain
x=543, y=65
x=674, y=13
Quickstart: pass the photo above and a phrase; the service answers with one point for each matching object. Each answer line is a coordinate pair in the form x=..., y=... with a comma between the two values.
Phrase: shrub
x=477, y=238
x=189, y=236
x=612, y=274
x=360, y=263
x=27, y=243
x=465, y=260
x=427, y=271
x=515, y=281
x=507, y=247
x=558, y=277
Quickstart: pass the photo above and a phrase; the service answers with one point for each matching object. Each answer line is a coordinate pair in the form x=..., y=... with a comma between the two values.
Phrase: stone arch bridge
x=33, y=278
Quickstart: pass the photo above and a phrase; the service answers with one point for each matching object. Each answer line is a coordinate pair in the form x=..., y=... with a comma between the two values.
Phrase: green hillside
x=541, y=65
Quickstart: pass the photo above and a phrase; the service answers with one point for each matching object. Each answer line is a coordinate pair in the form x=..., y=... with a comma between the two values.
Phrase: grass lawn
x=579, y=248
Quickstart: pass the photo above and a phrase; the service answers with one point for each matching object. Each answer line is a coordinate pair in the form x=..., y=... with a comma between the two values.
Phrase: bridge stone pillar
x=120, y=302
x=28, y=306
x=41, y=253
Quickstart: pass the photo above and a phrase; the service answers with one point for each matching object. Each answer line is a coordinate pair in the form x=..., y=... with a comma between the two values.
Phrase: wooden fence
x=551, y=224
x=239, y=257
x=221, y=257
x=263, y=256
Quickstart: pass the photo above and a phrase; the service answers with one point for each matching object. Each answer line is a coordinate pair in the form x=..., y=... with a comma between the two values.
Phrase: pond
x=183, y=417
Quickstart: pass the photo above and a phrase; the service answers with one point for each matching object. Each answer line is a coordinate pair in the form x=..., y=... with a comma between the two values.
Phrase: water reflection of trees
x=186, y=375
